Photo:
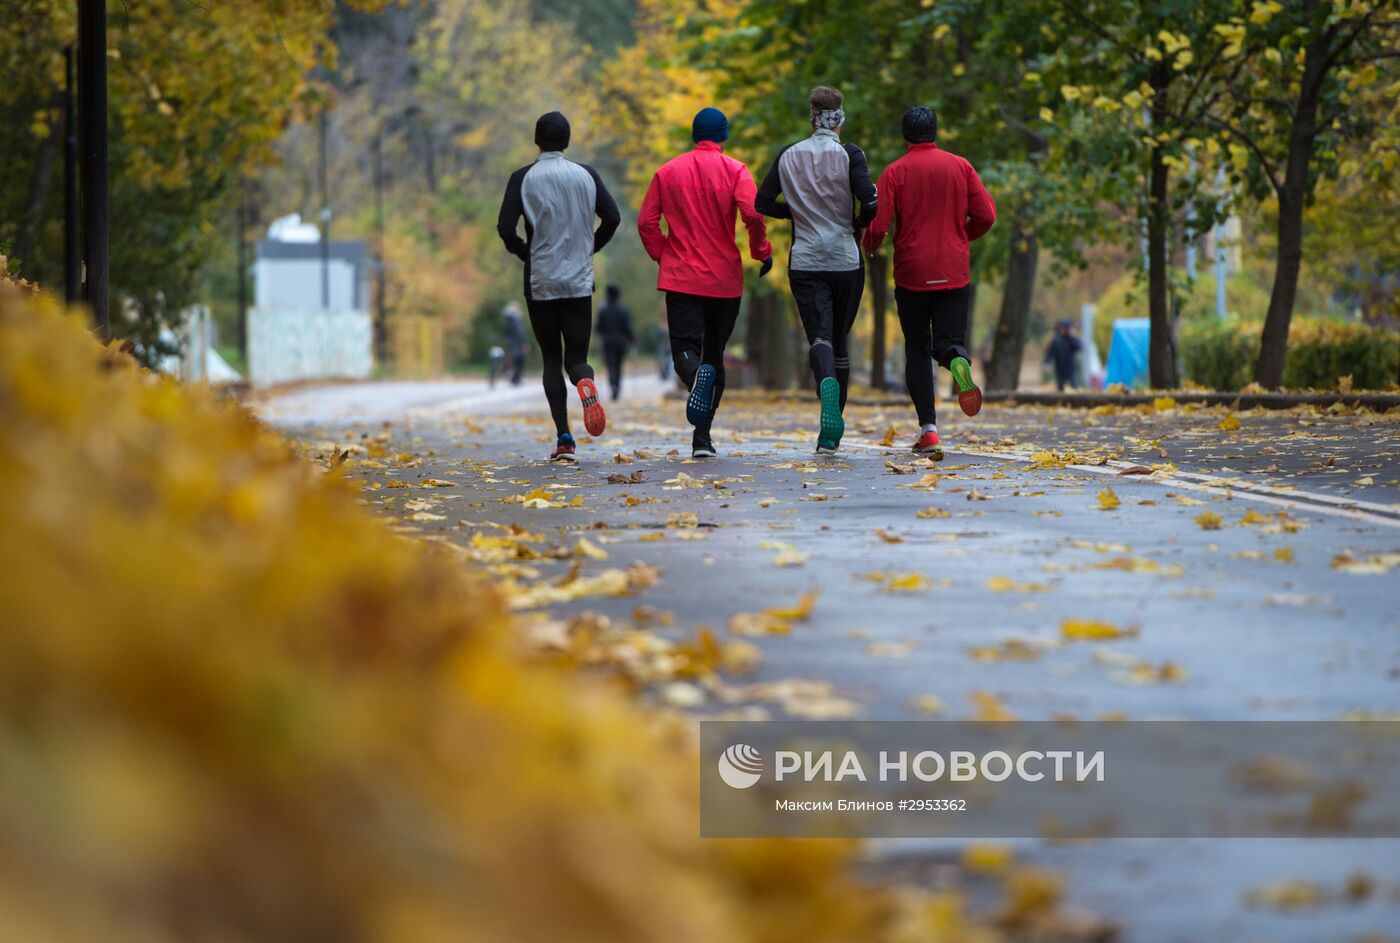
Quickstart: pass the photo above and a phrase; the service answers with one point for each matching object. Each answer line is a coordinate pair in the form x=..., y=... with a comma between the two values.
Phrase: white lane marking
x=1292, y=500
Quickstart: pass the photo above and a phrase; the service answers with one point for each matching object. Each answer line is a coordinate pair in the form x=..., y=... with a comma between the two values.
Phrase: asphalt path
x=1249, y=571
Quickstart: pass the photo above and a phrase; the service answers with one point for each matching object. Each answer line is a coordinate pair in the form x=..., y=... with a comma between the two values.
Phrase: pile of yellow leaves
x=235, y=706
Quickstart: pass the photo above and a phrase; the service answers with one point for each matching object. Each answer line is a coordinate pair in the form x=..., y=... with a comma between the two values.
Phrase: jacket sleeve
x=981, y=211
x=508, y=222
x=884, y=213
x=862, y=187
x=649, y=221
x=760, y=249
x=606, y=208
x=768, y=192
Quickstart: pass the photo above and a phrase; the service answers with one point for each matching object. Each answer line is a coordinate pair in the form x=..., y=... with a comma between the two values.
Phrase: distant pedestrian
x=700, y=193
x=1064, y=347
x=615, y=328
x=938, y=206
x=513, y=334
x=558, y=200
x=828, y=195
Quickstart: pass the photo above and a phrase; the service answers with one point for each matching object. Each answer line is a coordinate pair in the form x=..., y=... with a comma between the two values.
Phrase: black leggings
x=562, y=328
x=935, y=328
x=827, y=303
x=700, y=329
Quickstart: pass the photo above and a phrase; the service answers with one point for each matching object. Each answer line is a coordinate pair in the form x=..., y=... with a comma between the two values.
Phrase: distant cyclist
x=700, y=193
x=829, y=195
x=938, y=206
x=558, y=200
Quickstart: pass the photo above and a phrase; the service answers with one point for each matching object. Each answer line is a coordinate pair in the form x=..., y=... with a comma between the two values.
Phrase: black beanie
x=552, y=132
x=920, y=125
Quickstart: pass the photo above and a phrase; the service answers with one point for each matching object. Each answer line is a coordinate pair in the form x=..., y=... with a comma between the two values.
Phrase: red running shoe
x=594, y=420
x=929, y=445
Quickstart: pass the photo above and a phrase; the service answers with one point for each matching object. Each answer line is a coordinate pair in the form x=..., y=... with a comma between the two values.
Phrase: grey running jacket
x=821, y=180
x=558, y=199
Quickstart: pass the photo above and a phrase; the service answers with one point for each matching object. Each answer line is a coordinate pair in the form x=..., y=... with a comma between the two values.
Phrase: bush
x=1320, y=351
x=1220, y=355
x=234, y=706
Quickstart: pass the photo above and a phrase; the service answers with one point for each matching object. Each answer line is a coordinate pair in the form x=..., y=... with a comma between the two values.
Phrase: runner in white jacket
x=558, y=200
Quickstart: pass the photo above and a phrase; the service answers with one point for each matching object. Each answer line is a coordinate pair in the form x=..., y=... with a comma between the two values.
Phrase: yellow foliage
x=233, y=695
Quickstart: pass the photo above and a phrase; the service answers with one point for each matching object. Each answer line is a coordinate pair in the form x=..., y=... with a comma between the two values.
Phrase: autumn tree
x=198, y=95
x=1314, y=89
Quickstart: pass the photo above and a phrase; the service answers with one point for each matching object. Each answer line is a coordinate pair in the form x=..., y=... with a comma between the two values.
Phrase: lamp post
x=92, y=145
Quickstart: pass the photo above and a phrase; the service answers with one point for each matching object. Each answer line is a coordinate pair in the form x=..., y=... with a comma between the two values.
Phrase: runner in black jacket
x=558, y=200
x=615, y=328
x=829, y=196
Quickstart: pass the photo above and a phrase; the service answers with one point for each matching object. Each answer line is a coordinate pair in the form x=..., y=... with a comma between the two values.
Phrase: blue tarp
x=1127, y=353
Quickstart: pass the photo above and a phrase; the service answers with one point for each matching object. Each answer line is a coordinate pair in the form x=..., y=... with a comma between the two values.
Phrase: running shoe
x=699, y=408
x=969, y=396
x=563, y=449
x=594, y=419
x=701, y=446
x=833, y=427
x=929, y=445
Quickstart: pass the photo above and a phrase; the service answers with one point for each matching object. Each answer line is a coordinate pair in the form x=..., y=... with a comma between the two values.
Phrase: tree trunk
x=1161, y=349
x=879, y=303
x=770, y=340
x=1292, y=194
x=32, y=215
x=1009, y=343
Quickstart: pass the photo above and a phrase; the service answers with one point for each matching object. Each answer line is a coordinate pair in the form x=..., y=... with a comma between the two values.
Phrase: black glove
x=766, y=267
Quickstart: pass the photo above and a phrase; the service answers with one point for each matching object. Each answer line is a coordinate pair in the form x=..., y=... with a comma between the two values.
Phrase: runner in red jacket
x=700, y=193
x=938, y=205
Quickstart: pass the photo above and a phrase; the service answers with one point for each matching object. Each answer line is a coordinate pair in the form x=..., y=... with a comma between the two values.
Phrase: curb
x=1377, y=401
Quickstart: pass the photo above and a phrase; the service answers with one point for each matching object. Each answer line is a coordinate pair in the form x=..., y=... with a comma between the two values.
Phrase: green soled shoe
x=833, y=427
x=969, y=396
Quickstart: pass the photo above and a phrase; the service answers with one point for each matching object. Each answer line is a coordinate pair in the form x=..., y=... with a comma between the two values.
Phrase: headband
x=830, y=119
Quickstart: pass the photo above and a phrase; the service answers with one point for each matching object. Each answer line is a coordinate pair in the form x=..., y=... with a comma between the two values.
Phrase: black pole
x=381, y=333
x=92, y=143
x=243, y=275
x=325, y=222
x=72, y=264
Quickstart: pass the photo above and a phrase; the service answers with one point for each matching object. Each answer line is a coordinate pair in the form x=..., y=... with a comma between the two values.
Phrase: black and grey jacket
x=558, y=199
x=821, y=179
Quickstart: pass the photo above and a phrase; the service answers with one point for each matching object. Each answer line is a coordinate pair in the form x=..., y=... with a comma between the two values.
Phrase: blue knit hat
x=710, y=124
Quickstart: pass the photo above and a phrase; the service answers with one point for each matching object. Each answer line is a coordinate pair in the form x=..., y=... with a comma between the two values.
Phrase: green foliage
x=1220, y=354
x=1322, y=351
x=1245, y=297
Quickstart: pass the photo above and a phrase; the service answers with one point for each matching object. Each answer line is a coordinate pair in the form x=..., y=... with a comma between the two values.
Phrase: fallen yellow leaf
x=1093, y=629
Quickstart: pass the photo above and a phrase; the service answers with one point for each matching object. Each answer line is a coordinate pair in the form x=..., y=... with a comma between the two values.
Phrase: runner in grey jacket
x=829, y=196
x=558, y=200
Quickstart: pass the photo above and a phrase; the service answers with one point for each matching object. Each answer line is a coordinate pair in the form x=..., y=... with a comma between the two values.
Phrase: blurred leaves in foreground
x=233, y=705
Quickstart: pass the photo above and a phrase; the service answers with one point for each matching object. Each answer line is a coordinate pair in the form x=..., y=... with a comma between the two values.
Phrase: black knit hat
x=920, y=125
x=552, y=132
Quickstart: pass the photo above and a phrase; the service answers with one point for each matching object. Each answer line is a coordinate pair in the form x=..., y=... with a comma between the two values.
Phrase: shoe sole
x=703, y=453
x=935, y=453
x=833, y=427
x=566, y=457
x=697, y=407
x=969, y=396
x=595, y=420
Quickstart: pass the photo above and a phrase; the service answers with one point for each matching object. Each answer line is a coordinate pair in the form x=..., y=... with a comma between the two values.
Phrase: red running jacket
x=698, y=193
x=939, y=206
